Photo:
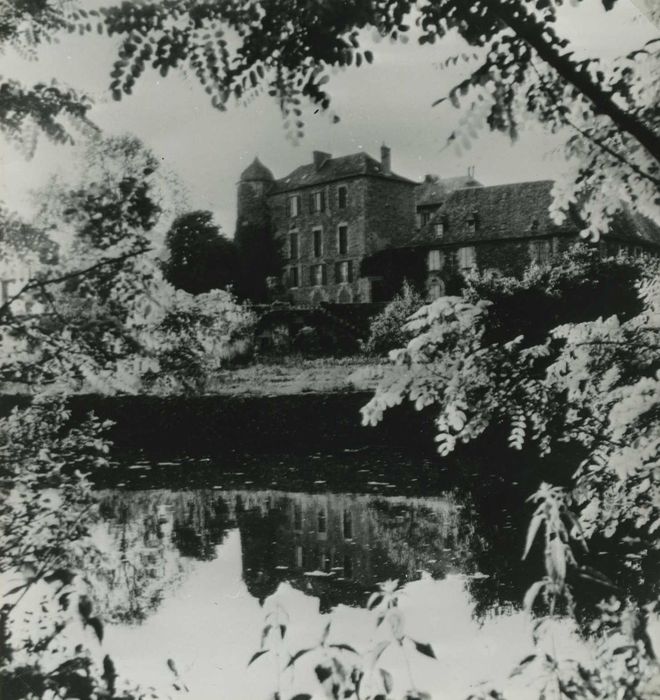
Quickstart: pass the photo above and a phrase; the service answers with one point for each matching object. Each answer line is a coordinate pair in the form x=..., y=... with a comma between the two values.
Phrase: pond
x=200, y=550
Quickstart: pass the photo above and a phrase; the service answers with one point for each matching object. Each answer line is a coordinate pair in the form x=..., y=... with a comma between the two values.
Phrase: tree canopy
x=200, y=257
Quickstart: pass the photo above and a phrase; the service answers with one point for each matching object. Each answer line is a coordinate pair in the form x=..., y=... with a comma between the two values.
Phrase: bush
x=580, y=286
x=387, y=330
x=198, y=336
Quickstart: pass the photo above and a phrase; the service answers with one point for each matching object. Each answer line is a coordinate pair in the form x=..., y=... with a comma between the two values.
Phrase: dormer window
x=473, y=223
x=294, y=205
x=439, y=229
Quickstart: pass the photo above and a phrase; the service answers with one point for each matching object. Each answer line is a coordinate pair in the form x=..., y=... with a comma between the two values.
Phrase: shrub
x=387, y=330
x=198, y=336
x=579, y=286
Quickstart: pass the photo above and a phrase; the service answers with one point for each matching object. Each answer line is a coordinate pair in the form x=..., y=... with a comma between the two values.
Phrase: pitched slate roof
x=356, y=164
x=518, y=210
x=630, y=226
x=432, y=192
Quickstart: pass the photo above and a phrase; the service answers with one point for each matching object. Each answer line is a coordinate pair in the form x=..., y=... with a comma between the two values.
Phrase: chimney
x=385, y=161
x=320, y=158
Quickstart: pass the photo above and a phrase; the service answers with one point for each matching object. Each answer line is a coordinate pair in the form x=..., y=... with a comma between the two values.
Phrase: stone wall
x=390, y=213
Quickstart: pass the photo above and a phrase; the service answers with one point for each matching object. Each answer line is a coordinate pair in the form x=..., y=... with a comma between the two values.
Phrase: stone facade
x=344, y=222
x=504, y=228
x=329, y=216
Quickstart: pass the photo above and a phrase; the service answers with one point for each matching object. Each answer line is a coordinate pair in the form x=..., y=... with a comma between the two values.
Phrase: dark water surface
x=201, y=548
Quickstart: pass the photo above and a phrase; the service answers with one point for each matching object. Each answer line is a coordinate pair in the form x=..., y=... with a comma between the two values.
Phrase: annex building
x=351, y=229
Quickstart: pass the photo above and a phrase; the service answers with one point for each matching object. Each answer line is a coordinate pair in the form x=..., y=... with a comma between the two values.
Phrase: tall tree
x=259, y=257
x=200, y=257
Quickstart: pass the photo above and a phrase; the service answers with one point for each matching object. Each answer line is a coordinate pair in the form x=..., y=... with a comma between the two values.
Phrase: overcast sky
x=389, y=101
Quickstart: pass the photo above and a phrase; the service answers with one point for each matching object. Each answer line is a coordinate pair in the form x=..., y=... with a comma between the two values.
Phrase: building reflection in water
x=334, y=546
x=338, y=546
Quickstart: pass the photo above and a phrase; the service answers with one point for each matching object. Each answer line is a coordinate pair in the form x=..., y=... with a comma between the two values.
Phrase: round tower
x=254, y=238
x=253, y=187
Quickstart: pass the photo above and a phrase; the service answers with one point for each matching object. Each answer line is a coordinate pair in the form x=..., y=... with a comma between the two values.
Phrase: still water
x=192, y=571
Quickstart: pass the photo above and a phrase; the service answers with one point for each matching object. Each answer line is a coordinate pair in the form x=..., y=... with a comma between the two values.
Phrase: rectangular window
x=348, y=565
x=342, y=242
x=325, y=561
x=294, y=277
x=317, y=275
x=318, y=202
x=342, y=197
x=344, y=271
x=318, y=242
x=434, y=260
x=293, y=245
x=467, y=259
x=540, y=251
x=347, y=525
x=426, y=217
x=321, y=521
x=294, y=205
x=439, y=229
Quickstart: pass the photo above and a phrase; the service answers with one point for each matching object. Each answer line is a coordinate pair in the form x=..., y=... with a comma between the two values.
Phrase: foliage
x=579, y=285
x=386, y=331
x=46, y=513
x=340, y=670
x=20, y=239
x=594, y=385
x=260, y=256
x=107, y=289
x=198, y=336
x=200, y=257
x=51, y=109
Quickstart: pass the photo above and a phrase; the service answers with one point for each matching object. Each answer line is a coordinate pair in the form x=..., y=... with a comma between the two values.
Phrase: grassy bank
x=296, y=375
x=282, y=376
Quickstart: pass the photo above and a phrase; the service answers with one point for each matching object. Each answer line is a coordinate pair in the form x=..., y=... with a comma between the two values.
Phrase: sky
x=387, y=102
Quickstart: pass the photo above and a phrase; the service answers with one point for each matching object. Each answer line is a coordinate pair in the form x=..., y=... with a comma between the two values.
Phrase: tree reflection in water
x=336, y=547
x=147, y=540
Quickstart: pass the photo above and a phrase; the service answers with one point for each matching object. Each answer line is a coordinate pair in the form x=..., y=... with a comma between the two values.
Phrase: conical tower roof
x=257, y=171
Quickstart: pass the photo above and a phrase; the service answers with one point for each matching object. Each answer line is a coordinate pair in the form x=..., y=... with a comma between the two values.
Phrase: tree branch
x=41, y=283
x=597, y=141
x=530, y=30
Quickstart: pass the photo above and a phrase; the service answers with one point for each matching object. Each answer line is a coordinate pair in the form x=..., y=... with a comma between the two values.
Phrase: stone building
x=352, y=230
x=504, y=228
x=329, y=216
